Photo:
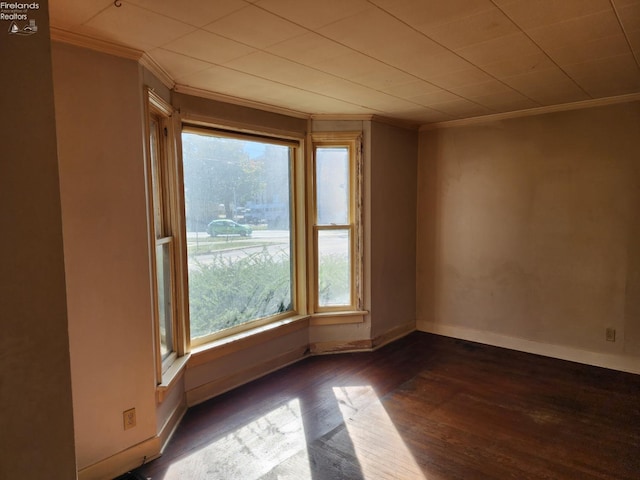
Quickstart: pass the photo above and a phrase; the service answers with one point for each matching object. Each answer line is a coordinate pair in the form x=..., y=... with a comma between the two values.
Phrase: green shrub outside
x=227, y=292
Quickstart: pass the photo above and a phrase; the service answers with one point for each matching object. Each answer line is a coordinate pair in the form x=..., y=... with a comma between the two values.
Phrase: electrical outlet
x=129, y=418
x=611, y=334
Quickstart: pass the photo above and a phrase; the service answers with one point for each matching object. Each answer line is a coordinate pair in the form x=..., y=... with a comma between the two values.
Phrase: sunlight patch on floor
x=378, y=446
x=251, y=451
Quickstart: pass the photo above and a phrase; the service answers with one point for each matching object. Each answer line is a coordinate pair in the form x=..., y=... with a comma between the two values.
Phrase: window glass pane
x=332, y=185
x=237, y=208
x=165, y=312
x=155, y=176
x=334, y=268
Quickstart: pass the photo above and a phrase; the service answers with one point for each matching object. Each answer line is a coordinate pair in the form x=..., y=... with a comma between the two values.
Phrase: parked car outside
x=228, y=227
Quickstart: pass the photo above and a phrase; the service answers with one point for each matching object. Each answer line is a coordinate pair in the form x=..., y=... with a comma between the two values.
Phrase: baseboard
x=121, y=462
x=133, y=457
x=394, y=334
x=323, y=348
x=562, y=352
x=224, y=384
x=169, y=427
x=365, y=345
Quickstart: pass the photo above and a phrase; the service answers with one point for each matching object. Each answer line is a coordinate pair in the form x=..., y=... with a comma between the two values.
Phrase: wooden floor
x=426, y=408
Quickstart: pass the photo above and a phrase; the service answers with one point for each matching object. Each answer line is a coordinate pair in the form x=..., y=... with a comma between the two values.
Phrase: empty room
x=296, y=239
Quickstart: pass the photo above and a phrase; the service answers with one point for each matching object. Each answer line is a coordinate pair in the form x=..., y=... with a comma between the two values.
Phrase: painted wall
x=204, y=380
x=230, y=114
x=98, y=101
x=527, y=233
x=394, y=153
x=36, y=418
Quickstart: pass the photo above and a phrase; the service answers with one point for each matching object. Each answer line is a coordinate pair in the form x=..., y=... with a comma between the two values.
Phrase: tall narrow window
x=161, y=169
x=336, y=224
x=238, y=192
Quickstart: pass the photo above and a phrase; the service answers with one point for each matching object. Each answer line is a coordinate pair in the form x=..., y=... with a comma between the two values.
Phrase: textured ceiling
x=420, y=61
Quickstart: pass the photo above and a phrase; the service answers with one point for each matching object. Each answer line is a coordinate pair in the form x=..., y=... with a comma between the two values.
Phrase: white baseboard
x=563, y=352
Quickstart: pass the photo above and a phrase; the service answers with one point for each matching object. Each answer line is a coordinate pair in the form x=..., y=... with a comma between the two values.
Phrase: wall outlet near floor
x=610, y=334
x=129, y=418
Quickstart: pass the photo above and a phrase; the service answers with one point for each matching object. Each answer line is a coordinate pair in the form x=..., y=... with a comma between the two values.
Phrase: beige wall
x=102, y=179
x=36, y=419
x=527, y=233
x=229, y=114
x=394, y=153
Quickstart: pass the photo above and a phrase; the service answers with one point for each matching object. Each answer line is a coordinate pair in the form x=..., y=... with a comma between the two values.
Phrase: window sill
x=171, y=376
x=338, y=318
x=242, y=340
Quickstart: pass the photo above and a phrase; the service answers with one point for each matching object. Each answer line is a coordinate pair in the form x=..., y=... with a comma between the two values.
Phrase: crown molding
x=357, y=117
x=64, y=36
x=406, y=124
x=564, y=107
x=145, y=60
x=198, y=92
x=160, y=73
x=365, y=118
x=122, y=51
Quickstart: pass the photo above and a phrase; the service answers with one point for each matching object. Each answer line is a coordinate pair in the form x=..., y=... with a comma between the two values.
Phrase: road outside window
x=237, y=195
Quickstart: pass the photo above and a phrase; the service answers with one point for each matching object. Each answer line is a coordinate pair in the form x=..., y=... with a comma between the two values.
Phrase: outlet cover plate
x=129, y=418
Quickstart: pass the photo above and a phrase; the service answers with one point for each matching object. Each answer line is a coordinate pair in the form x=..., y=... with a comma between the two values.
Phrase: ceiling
x=419, y=61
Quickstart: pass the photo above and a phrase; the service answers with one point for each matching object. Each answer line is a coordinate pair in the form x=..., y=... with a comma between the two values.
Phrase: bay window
x=240, y=217
x=165, y=220
x=246, y=234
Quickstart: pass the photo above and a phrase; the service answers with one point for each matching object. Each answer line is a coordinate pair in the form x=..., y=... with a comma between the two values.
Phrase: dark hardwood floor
x=424, y=407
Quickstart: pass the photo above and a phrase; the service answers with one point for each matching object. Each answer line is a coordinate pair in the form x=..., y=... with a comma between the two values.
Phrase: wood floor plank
x=422, y=408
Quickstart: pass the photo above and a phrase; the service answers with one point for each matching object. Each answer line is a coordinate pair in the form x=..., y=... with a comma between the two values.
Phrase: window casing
x=324, y=225
x=163, y=198
x=335, y=223
x=241, y=216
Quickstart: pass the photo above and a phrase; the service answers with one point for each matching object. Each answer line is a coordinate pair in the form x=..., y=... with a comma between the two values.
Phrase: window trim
x=197, y=125
x=354, y=312
x=171, y=174
x=303, y=242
